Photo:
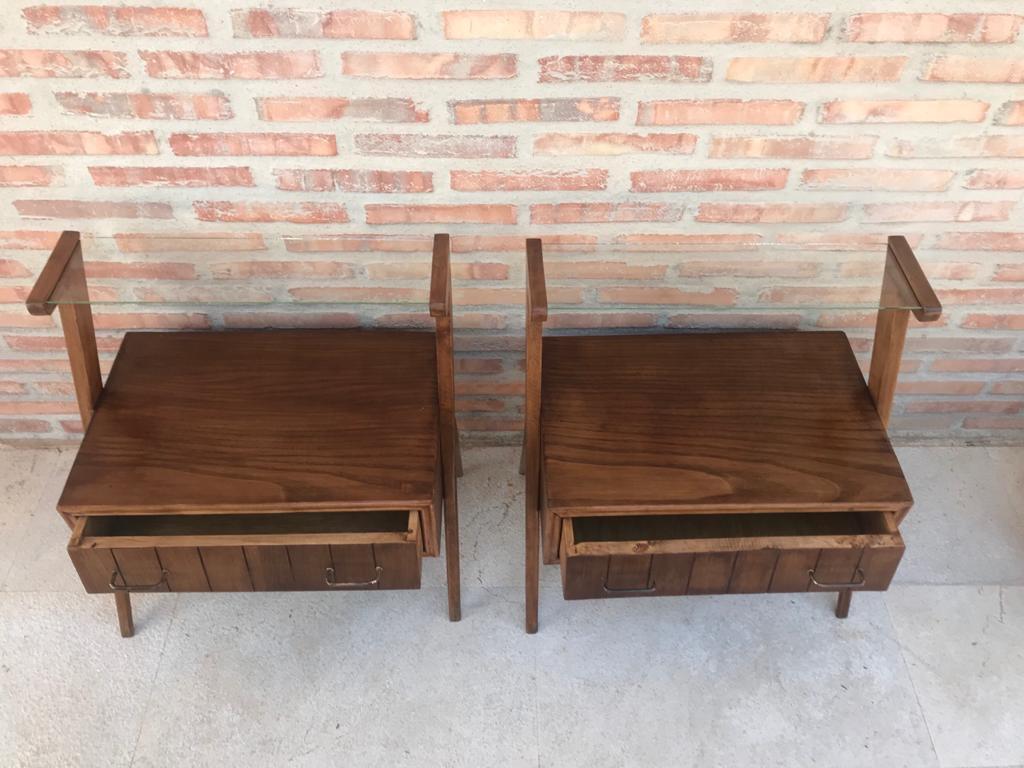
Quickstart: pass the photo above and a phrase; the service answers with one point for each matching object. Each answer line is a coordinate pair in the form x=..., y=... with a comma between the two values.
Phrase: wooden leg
x=843, y=603
x=458, y=455
x=532, y=566
x=124, y=613
x=451, y=556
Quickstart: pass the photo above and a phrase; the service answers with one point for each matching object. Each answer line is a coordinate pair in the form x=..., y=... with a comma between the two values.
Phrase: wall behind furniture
x=648, y=147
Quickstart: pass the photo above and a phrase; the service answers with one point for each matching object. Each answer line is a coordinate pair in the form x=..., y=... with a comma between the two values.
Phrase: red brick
x=819, y=295
x=150, y=106
x=974, y=69
x=719, y=112
x=965, y=146
x=14, y=426
x=1005, y=322
x=939, y=211
x=12, y=388
x=771, y=213
x=904, y=111
x=295, y=213
x=339, y=24
x=819, y=69
x=358, y=180
x=429, y=66
x=533, y=25
x=419, y=145
x=775, y=268
x=81, y=209
x=597, y=213
x=404, y=270
x=709, y=180
x=15, y=104
x=358, y=243
x=599, y=69
x=36, y=63
x=77, y=143
x=841, y=241
x=170, y=176
x=193, y=242
x=130, y=321
x=603, y=270
x=936, y=270
x=28, y=240
x=992, y=178
x=12, y=268
x=674, y=242
x=889, y=179
x=1011, y=113
x=29, y=175
x=1007, y=388
x=238, y=66
x=954, y=387
x=515, y=243
x=285, y=144
x=818, y=147
x=479, y=365
x=592, y=320
x=614, y=143
x=969, y=296
x=994, y=422
x=668, y=296
x=974, y=346
x=247, y=270
x=440, y=214
x=515, y=181
x=932, y=28
x=1009, y=272
x=374, y=295
x=961, y=406
x=22, y=319
x=491, y=425
x=981, y=241
x=311, y=108
x=534, y=110
x=976, y=365
x=734, y=28
x=147, y=270
x=115, y=20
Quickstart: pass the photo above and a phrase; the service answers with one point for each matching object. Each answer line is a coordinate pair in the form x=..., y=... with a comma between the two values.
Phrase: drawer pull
x=330, y=582
x=637, y=591
x=125, y=587
x=859, y=582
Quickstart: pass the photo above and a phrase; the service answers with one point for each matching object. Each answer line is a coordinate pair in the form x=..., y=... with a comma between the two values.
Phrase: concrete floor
x=929, y=674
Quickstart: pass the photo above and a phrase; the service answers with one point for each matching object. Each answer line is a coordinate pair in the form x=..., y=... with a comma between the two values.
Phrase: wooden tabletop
x=712, y=422
x=262, y=420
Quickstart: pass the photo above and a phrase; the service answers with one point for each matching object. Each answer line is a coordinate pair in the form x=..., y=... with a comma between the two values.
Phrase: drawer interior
x=390, y=521
x=728, y=526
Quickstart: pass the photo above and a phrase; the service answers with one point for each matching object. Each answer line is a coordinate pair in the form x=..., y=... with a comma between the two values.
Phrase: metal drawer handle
x=860, y=581
x=639, y=591
x=125, y=587
x=330, y=582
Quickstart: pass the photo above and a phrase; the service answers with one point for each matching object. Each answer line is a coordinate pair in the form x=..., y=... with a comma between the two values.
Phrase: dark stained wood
x=400, y=564
x=123, y=602
x=451, y=459
x=536, y=314
x=140, y=568
x=309, y=564
x=752, y=572
x=94, y=567
x=185, y=571
x=335, y=419
x=226, y=569
x=843, y=603
x=792, y=570
x=354, y=564
x=50, y=286
x=912, y=282
x=712, y=422
x=711, y=573
x=670, y=574
x=269, y=568
x=629, y=572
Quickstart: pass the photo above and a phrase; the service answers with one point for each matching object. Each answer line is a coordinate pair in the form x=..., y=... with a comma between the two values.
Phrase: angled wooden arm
x=536, y=314
x=62, y=283
x=451, y=456
x=905, y=290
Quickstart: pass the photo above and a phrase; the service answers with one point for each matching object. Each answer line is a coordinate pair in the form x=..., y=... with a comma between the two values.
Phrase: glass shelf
x=664, y=275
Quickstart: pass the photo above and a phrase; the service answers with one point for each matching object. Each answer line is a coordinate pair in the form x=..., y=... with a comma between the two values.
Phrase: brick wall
x=761, y=152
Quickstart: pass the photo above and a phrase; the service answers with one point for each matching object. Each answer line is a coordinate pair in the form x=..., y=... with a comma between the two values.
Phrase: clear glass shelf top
x=664, y=274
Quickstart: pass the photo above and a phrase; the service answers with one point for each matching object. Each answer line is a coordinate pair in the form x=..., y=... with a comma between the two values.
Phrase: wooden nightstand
x=252, y=460
x=713, y=463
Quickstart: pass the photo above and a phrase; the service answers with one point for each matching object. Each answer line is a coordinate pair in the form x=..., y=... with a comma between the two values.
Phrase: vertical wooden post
x=62, y=282
x=536, y=314
x=123, y=601
x=905, y=289
x=451, y=461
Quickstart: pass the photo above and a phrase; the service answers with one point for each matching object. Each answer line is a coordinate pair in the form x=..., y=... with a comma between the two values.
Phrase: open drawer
x=636, y=555
x=246, y=552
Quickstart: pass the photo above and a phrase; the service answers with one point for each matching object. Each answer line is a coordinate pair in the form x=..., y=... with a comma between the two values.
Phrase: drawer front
x=157, y=559
x=788, y=562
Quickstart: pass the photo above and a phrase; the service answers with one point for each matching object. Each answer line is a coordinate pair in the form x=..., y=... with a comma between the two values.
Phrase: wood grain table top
x=682, y=422
x=262, y=421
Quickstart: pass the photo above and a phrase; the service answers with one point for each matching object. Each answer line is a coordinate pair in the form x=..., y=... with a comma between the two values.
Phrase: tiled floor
x=929, y=674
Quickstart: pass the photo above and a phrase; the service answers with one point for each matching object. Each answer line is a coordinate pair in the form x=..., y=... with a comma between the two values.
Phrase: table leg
x=843, y=603
x=123, y=601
